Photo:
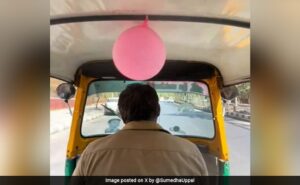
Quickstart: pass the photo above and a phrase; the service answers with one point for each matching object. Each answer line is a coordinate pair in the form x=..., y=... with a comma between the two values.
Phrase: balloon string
x=146, y=21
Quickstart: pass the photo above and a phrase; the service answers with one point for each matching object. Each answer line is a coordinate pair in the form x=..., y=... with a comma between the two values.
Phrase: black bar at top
x=179, y=18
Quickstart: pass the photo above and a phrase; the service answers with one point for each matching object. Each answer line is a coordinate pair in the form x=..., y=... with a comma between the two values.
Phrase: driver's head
x=139, y=102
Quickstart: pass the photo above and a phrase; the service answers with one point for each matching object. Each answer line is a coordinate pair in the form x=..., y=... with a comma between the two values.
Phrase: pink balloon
x=139, y=53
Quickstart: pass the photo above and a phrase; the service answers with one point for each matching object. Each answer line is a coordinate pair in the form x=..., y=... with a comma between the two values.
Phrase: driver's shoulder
x=183, y=143
x=97, y=144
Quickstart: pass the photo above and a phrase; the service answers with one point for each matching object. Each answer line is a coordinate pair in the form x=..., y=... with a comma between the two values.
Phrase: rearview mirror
x=228, y=93
x=65, y=91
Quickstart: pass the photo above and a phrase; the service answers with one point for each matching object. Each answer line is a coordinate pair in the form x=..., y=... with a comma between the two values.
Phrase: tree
x=244, y=92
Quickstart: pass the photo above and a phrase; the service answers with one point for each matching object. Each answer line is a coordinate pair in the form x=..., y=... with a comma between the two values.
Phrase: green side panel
x=224, y=172
x=226, y=169
x=70, y=167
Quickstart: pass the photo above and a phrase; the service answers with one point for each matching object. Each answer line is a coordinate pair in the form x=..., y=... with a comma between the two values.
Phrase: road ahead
x=238, y=136
x=238, y=139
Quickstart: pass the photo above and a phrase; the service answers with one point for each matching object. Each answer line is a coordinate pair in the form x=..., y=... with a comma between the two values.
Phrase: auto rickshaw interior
x=190, y=90
x=207, y=50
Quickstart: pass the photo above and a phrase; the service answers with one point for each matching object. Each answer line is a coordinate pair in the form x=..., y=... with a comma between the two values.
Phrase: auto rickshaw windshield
x=185, y=108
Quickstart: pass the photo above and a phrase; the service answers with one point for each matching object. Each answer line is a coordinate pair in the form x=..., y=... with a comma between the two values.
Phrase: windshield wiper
x=112, y=111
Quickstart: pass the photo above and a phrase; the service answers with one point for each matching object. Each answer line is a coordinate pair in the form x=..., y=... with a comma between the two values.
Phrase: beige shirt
x=141, y=149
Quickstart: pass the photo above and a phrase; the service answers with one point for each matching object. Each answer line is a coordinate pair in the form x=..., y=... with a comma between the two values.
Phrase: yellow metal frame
x=77, y=143
x=217, y=145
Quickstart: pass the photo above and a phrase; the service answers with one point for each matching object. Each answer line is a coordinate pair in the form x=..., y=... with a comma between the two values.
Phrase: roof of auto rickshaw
x=199, y=36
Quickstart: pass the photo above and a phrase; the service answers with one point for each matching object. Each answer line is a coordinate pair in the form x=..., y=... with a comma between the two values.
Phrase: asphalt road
x=238, y=139
x=186, y=119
